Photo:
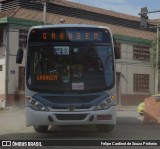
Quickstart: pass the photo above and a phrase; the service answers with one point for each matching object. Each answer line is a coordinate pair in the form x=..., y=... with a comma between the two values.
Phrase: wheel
x=141, y=114
x=105, y=128
x=41, y=128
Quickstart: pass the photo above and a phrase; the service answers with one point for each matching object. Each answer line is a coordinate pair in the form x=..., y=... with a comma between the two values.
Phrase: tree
x=153, y=52
x=153, y=58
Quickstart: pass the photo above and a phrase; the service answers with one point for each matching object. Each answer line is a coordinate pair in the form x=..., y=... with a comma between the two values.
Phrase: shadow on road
x=129, y=120
x=59, y=132
x=53, y=135
x=129, y=126
x=121, y=131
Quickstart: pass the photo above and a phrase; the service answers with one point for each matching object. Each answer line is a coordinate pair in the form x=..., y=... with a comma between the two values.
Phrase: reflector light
x=104, y=117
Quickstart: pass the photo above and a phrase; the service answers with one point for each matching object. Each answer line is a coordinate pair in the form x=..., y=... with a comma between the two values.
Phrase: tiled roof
x=9, y=13
x=52, y=18
x=96, y=10
x=100, y=10
x=157, y=20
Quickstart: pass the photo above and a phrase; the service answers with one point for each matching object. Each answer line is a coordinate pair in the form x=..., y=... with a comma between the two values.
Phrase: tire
x=141, y=114
x=41, y=128
x=105, y=128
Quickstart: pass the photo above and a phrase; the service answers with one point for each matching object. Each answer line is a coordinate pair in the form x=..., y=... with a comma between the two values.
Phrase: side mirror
x=19, y=56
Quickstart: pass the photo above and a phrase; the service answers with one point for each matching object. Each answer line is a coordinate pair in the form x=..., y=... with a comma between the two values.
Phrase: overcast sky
x=131, y=7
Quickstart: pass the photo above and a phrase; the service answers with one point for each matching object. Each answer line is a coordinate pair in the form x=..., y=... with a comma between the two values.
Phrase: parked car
x=157, y=96
x=140, y=108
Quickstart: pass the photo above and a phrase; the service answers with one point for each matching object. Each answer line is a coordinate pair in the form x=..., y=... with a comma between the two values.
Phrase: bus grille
x=71, y=99
x=66, y=108
x=71, y=116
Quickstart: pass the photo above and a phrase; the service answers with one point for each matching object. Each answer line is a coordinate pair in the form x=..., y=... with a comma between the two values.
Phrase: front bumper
x=70, y=118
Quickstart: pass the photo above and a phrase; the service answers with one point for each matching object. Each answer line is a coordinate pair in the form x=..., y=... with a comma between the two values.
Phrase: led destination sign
x=68, y=34
x=76, y=36
x=46, y=77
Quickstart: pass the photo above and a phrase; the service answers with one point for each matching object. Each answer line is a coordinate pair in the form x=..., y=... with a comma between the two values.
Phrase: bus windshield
x=70, y=67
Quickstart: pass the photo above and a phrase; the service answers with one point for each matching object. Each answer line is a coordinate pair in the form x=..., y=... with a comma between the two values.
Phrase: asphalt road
x=129, y=127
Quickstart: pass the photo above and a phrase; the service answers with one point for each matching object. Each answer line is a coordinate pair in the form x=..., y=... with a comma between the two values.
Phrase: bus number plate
x=61, y=50
x=77, y=86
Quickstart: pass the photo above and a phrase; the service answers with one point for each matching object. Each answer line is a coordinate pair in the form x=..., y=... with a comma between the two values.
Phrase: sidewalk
x=126, y=108
x=128, y=115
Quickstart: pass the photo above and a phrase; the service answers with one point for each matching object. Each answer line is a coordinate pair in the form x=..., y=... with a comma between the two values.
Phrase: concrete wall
x=13, y=68
x=127, y=67
x=2, y=62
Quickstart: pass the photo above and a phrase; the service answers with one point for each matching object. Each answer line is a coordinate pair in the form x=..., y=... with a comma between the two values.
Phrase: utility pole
x=157, y=62
x=144, y=23
x=44, y=3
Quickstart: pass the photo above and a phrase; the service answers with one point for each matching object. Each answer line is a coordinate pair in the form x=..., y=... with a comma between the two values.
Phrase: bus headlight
x=35, y=105
x=104, y=104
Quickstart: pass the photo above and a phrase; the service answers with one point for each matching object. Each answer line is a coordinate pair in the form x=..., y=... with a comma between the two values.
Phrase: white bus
x=70, y=76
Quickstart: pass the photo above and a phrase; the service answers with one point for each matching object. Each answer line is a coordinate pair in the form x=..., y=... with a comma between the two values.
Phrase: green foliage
x=153, y=52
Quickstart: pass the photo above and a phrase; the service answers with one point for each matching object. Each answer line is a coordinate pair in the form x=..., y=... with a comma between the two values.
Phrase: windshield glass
x=70, y=59
x=70, y=68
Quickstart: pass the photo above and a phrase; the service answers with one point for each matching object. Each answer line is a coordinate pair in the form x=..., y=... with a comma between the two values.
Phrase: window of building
x=141, y=82
x=1, y=68
x=141, y=53
x=22, y=38
x=21, y=82
x=118, y=51
x=1, y=37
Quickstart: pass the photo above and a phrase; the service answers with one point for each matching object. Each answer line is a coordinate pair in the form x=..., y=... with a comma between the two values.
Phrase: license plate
x=78, y=86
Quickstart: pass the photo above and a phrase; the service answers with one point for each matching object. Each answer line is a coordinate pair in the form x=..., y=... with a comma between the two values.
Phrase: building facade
x=134, y=71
